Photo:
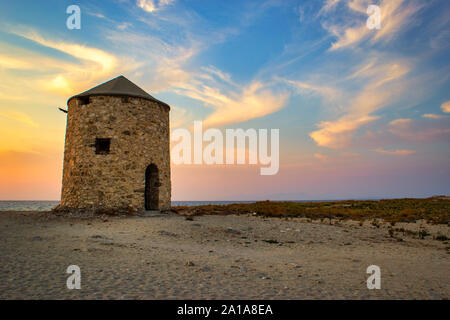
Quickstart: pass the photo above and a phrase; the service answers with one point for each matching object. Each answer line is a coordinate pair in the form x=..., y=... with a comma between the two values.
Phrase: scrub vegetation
x=433, y=210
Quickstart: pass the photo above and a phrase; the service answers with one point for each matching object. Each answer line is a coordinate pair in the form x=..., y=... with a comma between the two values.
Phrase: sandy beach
x=217, y=257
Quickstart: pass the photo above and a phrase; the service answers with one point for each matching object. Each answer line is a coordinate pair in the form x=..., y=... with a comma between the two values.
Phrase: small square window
x=125, y=100
x=102, y=145
x=84, y=100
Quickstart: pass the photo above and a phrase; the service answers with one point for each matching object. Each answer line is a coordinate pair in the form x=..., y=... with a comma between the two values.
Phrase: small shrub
x=442, y=237
x=271, y=241
x=391, y=232
x=423, y=233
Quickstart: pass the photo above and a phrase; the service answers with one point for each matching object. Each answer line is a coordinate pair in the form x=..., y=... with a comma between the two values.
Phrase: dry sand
x=216, y=257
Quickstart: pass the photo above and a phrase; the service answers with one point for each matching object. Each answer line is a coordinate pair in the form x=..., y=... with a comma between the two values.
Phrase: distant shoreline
x=277, y=200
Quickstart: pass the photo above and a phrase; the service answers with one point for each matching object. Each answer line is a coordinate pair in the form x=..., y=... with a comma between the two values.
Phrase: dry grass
x=433, y=210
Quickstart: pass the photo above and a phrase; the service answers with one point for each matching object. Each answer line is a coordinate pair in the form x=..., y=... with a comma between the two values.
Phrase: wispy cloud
x=338, y=134
x=105, y=61
x=180, y=117
x=360, y=96
x=14, y=63
x=164, y=64
x=123, y=25
x=254, y=101
x=396, y=152
x=321, y=157
x=59, y=76
x=18, y=116
x=153, y=5
x=419, y=131
x=328, y=6
x=395, y=16
x=400, y=123
x=433, y=116
x=302, y=87
x=96, y=14
x=372, y=97
x=170, y=69
x=225, y=77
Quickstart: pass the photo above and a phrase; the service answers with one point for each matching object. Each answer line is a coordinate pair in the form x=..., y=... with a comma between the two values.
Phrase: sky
x=362, y=113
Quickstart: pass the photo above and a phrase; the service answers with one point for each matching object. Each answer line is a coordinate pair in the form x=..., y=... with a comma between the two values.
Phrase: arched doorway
x=152, y=188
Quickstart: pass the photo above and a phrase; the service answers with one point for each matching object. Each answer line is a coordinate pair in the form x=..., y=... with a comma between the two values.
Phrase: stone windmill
x=117, y=152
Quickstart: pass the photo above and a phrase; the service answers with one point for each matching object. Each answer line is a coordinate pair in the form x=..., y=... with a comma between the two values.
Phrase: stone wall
x=139, y=133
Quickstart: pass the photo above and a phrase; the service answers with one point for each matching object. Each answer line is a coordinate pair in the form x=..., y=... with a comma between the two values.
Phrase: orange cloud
x=433, y=116
x=14, y=63
x=400, y=123
x=396, y=152
x=60, y=77
x=418, y=131
x=254, y=101
x=373, y=96
x=18, y=116
x=446, y=106
x=180, y=117
x=395, y=14
x=104, y=60
x=336, y=134
x=321, y=157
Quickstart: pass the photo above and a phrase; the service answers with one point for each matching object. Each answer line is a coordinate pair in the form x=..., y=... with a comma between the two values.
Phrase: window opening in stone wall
x=102, y=145
x=152, y=184
x=84, y=100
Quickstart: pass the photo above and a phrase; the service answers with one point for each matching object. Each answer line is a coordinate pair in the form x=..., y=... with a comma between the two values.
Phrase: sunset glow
x=362, y=113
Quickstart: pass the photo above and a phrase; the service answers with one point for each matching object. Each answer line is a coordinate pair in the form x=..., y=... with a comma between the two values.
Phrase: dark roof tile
x=119, y=86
